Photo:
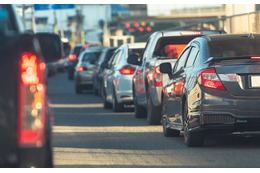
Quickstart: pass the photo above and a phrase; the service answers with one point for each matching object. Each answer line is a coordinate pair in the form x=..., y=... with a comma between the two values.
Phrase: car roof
x=169, y=33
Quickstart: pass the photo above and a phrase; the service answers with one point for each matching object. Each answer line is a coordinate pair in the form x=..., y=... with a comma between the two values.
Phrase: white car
x=118, y=75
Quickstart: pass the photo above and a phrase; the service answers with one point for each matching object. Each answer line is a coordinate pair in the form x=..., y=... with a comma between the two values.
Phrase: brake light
x=208, y=78
x=190, y=33
x=178, y=88
x=72, y=57
x=127, y=70
x=157, y=76
x=82, y=68
x=31, y=102
x=85, y=46
x=255, y=57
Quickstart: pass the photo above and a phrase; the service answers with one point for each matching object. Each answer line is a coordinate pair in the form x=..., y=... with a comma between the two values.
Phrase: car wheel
x=106, y=104
x=140, y=112
x=167, y=132
x=191, y=139
x=78, y=89
x=153, y=112
x=117, y=107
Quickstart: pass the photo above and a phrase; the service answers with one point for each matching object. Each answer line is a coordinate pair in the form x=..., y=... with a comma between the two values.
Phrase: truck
x=25, y=119
x=161, y=47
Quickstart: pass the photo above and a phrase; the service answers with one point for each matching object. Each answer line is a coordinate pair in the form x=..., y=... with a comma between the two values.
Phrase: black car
x=214, y=86
x=98, y=71
x=73, y=58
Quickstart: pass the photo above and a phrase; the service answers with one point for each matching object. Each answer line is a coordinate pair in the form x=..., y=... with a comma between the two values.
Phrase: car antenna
x=250, y=35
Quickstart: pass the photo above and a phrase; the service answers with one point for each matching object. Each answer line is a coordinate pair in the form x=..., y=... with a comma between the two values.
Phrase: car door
x=141, y=75
x=174, y=103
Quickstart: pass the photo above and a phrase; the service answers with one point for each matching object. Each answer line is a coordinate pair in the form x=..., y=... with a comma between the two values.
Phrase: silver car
x=85, y=68
x=118, y=75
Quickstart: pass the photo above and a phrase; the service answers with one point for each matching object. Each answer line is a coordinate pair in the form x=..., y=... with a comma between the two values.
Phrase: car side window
x=110, y=62
x=192, y=56
x=182, y=60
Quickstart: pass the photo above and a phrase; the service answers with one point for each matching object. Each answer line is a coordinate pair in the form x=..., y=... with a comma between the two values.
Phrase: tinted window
x=91, y=56
x=234, y=47
x=137, y=52
x=192, y=56
x=182, y=60
x=76, y=50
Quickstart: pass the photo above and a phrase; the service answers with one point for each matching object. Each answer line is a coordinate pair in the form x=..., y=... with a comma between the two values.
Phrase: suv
x=25, y=128
x=163, y=46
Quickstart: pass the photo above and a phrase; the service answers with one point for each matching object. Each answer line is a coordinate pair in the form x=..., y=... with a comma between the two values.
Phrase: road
x=87, y=136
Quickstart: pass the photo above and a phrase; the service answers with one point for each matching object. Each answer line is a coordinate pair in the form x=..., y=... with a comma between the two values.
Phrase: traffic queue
x=197, y=82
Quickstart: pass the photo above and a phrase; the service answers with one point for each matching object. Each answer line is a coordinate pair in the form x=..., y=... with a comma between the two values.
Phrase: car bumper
x=84, y=78
x=222, y=111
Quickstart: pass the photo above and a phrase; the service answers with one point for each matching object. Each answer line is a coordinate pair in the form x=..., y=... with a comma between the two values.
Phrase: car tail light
x=85, y=46
x=255, y=57
x=157, y=76
x=208, y=78
x=82, y=68
x=72, y=57
x=31, y=102
x=127, y=70
x=178, y=88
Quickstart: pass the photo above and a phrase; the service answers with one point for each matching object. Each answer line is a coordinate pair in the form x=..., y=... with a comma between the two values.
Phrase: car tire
x=78, y=89
x=117, y=107
x=191, y=139
x=167, y=132
x=153, y=112
x=140, y=112
x=106, y=104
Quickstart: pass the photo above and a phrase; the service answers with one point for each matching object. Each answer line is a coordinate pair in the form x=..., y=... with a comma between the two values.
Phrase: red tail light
x=31, y=102
x=85, y=46
x=208, y=78
x=157, y=77
x=82, y=68
x=255, y=57
x=72, y=57
x=127, y=70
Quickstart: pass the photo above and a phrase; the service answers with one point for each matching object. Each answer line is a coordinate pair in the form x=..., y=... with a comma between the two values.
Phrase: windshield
x=230, y=48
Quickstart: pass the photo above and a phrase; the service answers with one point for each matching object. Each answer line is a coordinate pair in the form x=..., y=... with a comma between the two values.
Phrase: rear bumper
x=222, y=111
x=84, y=78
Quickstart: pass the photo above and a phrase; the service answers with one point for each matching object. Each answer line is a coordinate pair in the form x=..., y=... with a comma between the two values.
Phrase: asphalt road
x=85, y=135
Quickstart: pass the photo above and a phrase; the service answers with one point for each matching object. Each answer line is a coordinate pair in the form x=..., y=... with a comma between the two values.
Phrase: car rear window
x=91, y=56
x=234, y=47
x=77, y=51
x=137, y=52
x=171, y=47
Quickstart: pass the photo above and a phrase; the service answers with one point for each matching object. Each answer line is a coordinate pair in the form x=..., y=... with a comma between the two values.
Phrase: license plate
x=255, y=81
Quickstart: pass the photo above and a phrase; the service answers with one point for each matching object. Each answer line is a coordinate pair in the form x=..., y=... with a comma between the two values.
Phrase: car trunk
x=243, y=74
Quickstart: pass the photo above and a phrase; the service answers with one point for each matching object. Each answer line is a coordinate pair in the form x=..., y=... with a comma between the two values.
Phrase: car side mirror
x=51, y=46
x=166, y=68
x=104, y=65
x=134, y=60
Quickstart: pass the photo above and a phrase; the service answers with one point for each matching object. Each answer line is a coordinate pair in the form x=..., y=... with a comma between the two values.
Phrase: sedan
x=85, y=68
x=213, y=87
x=118, y=76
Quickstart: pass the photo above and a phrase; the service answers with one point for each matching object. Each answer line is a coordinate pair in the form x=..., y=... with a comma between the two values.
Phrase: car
x=162, y=46
x=118, y=75
x=85, y=68
x=98, y=72
x=26, y=125
x=73, y=58
x=213, y=87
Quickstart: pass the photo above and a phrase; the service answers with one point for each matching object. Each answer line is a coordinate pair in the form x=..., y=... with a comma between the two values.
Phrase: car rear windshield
x=171, y=47
x=234, y=48
x=91, y=56
x=77, y=51
x=137, y=52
